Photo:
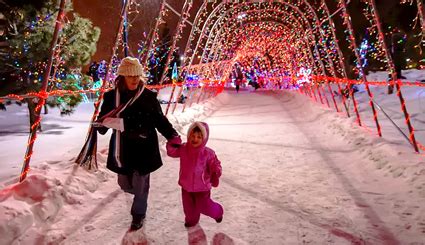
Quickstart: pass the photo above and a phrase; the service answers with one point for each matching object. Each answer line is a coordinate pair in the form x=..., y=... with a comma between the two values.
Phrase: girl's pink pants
x=197, y=203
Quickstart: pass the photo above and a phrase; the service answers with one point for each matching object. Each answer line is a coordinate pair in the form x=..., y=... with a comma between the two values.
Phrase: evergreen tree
x=31, y=25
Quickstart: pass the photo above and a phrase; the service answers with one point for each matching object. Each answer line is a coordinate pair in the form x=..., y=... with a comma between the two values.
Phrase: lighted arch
x=240, y=8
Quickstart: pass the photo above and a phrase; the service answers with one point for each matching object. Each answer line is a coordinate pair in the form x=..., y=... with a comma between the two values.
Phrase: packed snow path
x=289, y=177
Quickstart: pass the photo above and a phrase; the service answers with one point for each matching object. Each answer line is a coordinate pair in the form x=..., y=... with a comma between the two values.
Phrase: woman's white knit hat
x=130, y=66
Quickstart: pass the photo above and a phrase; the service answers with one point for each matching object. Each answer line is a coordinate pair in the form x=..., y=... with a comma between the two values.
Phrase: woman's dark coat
x=139, y=149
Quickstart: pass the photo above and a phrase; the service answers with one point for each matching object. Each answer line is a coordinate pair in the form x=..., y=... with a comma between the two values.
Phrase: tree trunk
x=31, y=109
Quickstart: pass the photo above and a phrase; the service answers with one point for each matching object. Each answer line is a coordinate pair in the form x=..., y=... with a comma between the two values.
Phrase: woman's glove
x=115, y=123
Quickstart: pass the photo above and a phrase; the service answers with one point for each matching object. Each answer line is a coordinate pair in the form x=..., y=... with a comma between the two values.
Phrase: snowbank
x=165, y=94
x=394, y=159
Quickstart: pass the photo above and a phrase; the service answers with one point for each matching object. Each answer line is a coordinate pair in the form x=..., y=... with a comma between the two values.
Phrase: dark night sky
x=105, y=14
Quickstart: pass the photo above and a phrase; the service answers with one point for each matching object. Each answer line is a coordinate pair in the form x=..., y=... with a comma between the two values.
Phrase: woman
x=134, y=114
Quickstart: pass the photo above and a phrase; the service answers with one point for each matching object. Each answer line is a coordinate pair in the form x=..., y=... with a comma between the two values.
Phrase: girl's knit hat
x=130, y=66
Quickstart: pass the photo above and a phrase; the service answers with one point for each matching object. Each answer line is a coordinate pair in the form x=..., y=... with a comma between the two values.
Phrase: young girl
x=199, y=170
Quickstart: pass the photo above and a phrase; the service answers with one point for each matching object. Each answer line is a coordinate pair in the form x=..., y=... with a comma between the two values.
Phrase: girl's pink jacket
x=199, y=167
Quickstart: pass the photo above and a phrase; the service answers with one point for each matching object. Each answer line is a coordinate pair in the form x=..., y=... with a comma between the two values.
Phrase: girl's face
x=132, y=82
x=195, y=139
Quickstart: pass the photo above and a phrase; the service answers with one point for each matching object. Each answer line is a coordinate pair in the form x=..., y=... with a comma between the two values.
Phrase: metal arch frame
x=290, y=23
x=326, y=53
x=320, y=31
x=152, y=41
x=214, y=44
x=322, y=36
x=209, y=37
x=180, y=25
x=284, y=26
x=297, y=10
x=249, y=23
x=340, y=58
x=222, y=5
x=279, y=23
x=296, y=14
x=335, y=39
x=202, y=34
x=421, y=13
x=353, y=45
x=211, y=15
x=218, y=32
x=220, y=23
x=205, y=66
x=309, y=58
x=309, y=29
x=272, y=17
x=193, y=30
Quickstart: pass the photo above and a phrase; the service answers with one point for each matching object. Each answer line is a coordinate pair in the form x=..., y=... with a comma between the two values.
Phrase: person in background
x=238, y=84
x=93, y=71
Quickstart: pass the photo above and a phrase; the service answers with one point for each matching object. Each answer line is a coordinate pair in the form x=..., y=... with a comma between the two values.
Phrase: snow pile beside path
x=394, y=159
x=197, y=112
x=39, y=208
x=39, y=201
x=165, y=94
x=411, y=75
x=17, y=218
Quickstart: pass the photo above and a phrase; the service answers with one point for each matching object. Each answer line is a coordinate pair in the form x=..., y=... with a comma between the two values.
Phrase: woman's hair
x=120, y=83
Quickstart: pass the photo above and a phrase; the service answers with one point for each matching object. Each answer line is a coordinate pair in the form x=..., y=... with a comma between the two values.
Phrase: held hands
x=176, y=141
x=173, y=146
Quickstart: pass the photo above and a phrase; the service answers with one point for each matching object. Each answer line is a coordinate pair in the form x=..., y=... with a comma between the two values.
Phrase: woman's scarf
x=87, y=157
x=117, y=138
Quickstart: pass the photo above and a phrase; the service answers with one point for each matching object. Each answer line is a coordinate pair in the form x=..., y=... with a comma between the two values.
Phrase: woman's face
x=132, y=82
x=195, y=139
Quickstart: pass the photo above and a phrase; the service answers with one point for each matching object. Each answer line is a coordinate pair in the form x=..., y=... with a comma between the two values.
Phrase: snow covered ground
x=388, y=107
x=294, y=172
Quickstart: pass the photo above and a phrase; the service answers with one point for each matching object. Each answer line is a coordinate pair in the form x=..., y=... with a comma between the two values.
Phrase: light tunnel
x=286, y=36
x=292, y=42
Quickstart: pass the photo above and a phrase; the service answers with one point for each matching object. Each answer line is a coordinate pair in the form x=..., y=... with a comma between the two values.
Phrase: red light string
x=391, y=67
x=42, y=93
